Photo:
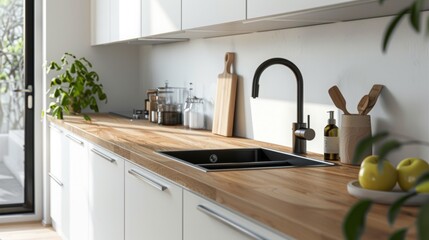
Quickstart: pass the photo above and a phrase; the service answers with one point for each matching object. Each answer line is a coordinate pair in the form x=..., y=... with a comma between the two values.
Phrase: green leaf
x=102, y=96
x=385, y=149
x=66, y=109
x=392, y=26
x=65, y=100
x=354, y=223
x=399, y=234
x=52, y=104
x=81, y=67
x=415, y=10
x=423, y=178
x=73, y=68
x=396, y=207
x=87, y=62
x=367, y=143
x=86, y=117
x=423, y=222
x=70, y=55
x=57, y=93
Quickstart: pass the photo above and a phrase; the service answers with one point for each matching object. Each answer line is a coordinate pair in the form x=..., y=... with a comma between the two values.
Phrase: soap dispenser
x=331, y=141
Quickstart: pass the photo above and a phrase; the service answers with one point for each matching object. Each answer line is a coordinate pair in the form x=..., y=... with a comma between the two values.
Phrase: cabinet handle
x=55, y=179
x=229, y=222
x=74, y=139
x=103, y=155
x=147, y=180
x=55, y=128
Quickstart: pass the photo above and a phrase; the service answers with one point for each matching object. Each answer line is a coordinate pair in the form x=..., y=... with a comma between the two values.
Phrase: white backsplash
x=347, y=54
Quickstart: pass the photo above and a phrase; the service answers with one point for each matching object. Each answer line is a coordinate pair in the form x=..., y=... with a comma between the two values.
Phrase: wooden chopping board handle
x=229, y=59
x=224, y=106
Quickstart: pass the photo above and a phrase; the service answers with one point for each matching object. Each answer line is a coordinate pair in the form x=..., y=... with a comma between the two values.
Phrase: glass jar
x=196, y=114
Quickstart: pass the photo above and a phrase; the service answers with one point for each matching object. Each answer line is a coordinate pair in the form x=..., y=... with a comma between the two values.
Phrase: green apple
x=409, y=170
x=423, y=187
x=371, y=178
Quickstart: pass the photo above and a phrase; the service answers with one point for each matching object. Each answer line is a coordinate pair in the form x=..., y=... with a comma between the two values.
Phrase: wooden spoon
x=338, y=99
x=373, y=96
x=363, y=104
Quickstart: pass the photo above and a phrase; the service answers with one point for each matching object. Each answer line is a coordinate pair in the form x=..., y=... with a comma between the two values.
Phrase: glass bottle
x=331, y=140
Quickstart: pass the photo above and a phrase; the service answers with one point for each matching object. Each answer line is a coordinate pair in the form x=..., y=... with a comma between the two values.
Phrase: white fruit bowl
x=384, y=197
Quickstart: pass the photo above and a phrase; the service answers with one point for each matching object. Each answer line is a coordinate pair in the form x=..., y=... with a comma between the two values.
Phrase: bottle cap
x=331, y=119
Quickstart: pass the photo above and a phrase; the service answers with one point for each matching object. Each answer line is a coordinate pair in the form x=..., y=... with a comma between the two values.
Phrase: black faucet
x=300, y=131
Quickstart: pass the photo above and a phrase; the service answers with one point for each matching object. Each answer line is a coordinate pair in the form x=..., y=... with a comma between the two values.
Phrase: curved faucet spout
x=299, y=81
x=300, y=131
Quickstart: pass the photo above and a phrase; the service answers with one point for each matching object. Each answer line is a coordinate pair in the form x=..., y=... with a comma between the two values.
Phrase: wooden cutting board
x=224, y=106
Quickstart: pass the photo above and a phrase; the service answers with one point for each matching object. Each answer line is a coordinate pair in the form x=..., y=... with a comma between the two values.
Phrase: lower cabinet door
x=59, y=207
x=153, y=206
x=106, y=195
x=203, y=219
x=78, y=187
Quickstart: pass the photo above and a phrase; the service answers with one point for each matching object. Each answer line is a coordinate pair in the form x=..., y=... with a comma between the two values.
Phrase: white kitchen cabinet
x=203, y=219
x=125, y=19
x=68, y=184
x=160, y=16
x=153, y=206
x=115, y=20
x=59, y=183
x=258, y=8
x=100, y=22
x=78, y=187
x=197, y=13
x=106, y=195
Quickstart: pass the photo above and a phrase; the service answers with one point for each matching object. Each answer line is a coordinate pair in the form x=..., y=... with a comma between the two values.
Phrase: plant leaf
x=86, y=117
x=399, y=234
x=423, y=222
x=415, y=11
x=385, y=149
x=422, y=178
x=392, y=26
x=396, y=207
x=354, y=223
x=366, y=143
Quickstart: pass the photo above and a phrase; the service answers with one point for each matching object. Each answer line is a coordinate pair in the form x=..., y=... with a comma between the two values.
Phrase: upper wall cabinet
x=197, y=13
x=125, y=20
x=160, y=16
x=115, y=20
x=100, y=22
x=258, y=8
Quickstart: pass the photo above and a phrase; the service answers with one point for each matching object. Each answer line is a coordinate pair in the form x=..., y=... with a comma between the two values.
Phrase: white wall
x=68, y=29
x=347, y=54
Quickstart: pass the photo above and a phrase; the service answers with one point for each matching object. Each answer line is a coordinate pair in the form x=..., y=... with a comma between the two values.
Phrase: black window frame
x=29, y=57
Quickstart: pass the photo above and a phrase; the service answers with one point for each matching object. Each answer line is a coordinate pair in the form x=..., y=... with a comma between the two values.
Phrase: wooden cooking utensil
x=338, y=99
x=224, y=106
x=363, y=104
x=373, y=96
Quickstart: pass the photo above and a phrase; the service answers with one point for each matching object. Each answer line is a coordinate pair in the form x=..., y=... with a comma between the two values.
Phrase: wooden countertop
x=305, y=203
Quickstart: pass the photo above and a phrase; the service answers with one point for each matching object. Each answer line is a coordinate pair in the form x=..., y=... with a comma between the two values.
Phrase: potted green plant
x=74, y=88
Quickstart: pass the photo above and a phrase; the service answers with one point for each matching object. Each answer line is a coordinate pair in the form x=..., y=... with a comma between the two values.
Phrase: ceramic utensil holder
x=354, y=127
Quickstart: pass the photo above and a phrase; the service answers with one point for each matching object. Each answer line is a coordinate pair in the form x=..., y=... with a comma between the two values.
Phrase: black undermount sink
x=241, y=159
